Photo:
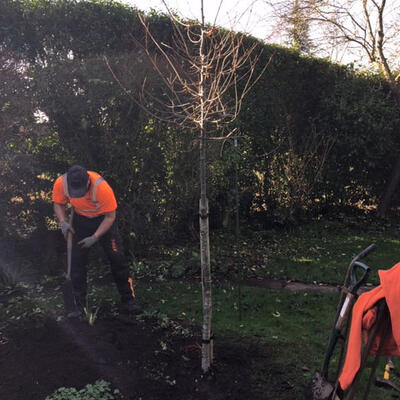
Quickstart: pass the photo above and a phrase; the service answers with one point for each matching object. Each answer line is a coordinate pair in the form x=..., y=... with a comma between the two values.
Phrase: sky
x=250, y=16
x=255, y=17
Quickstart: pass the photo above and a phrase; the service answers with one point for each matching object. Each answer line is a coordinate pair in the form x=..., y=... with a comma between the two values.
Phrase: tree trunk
x=390, y=189
x=207, y=344
x=394, y=180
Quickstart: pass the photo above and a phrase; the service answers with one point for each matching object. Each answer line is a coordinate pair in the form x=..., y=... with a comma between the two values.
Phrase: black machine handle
x=358, y=275
x=355, y=277
x=364, y=253
x=351, y=276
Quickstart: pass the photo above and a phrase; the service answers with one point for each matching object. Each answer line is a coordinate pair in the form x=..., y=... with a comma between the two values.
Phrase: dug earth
x=138, y=358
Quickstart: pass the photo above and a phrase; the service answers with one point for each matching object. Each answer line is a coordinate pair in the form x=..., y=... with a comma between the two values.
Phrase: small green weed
x=91, y=315
x=11, y=274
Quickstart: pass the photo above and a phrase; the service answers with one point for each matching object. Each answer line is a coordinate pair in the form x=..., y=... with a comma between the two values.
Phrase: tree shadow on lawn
x=136, y=357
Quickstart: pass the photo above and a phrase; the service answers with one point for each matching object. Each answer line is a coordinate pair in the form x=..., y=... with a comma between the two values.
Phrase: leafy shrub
x=100, y=390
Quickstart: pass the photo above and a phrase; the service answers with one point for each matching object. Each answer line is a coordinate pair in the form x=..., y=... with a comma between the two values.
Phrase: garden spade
x=357, y=273
x=69, y=300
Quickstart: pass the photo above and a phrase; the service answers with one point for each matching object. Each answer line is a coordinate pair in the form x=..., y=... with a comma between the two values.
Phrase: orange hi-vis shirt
x=105, y=198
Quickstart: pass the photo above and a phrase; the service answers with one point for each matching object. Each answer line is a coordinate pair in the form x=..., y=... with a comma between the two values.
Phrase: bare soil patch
x=141, y=361
x=293, y=286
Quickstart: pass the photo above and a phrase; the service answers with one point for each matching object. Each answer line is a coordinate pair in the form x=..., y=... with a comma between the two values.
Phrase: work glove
x=87, y=242
x=65, y=227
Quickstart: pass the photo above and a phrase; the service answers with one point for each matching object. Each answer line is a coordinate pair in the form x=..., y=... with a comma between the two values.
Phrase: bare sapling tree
x=368, y=29
x=206, y=72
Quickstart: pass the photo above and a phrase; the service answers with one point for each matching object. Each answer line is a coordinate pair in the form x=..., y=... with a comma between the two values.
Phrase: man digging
x=94, y=206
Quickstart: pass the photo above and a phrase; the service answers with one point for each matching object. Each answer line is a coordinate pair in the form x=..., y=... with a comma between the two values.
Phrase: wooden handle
x=69, y=246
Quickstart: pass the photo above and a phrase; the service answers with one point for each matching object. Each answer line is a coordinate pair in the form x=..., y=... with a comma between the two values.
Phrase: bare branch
x=172, y=15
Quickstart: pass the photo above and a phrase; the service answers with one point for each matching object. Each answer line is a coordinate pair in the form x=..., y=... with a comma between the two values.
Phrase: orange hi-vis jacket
x=363, y=319
x=99, y=200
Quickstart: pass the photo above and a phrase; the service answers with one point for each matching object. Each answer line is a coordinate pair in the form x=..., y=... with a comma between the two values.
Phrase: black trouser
x=111, y=243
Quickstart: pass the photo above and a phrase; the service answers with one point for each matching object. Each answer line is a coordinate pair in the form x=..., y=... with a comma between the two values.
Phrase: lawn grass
x=318, y=252
x=322, y=252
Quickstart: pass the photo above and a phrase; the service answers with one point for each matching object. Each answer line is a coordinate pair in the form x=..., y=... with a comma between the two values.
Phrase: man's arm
x=108, y=220
x=105, y=225
x=59, y=210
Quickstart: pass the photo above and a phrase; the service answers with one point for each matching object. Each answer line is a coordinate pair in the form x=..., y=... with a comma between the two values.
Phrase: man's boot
x=131, y=306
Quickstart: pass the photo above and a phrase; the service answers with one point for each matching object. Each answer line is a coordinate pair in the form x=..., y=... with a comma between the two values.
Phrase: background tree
x=299, y=29
x=293, y=23
x=368, y=29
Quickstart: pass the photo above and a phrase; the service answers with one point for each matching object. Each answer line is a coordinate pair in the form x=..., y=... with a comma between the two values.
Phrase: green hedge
x=313, y=136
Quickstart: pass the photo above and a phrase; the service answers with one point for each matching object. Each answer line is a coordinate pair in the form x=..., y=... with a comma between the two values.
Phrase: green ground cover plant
x=100, y=390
